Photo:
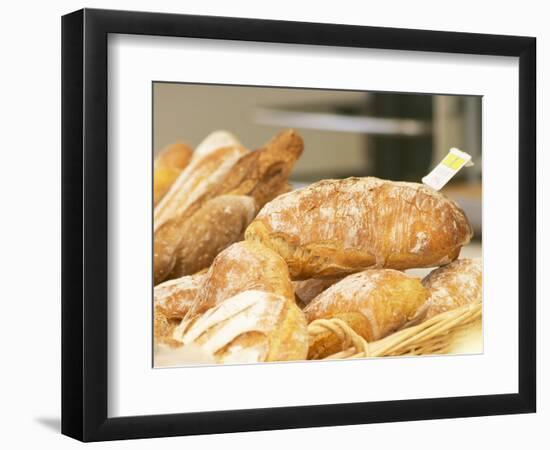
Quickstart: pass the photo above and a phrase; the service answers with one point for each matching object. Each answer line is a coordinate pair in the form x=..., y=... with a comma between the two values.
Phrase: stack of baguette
x=244, y=266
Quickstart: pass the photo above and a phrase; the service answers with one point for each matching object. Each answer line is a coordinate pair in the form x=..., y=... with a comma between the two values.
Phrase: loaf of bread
x=168, y=166
x=194, y=185
x=374, y=303
x=174, y=298
x=450, y=287
x=335, y=227
x=219, y=223
x=186, y=245
x=215, y=140
x=263, y=173
x=252, y=326
x=240, y=267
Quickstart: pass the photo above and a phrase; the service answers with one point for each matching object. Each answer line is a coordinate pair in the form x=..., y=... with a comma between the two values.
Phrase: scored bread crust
x=335, y=227
x=173, y=298
x=219, y=223
x=194, y=185
x=216, y=139
x=263, y=173
x=374, y=303
x=451, y=286
x=240, y=267
x=252, y=326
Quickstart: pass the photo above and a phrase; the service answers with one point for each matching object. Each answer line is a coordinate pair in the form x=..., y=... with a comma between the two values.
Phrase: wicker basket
x=437, y=335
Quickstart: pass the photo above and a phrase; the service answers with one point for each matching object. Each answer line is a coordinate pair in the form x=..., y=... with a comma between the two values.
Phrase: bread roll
x=215, y=140
x=335, y=227
x=168, y=165
x=250, y=327
x=374, y=303
x=241, y=267
x=174, y=298
x=219, y=223
x=194, y=185
x=450, y=287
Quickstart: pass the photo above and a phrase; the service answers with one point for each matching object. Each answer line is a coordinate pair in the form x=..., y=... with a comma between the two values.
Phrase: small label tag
x=446, y=169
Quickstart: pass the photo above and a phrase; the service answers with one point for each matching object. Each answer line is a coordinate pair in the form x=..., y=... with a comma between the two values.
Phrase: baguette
x=263, y=174
x=168, y=166
x=215, y=140
x=374, y=303
x=250, y=327
x=337, y=227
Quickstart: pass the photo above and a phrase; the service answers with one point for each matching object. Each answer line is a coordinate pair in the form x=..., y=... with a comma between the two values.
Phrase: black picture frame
x=84, y=224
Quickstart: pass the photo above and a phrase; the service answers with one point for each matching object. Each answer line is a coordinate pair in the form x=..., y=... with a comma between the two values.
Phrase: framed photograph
x=272, y=224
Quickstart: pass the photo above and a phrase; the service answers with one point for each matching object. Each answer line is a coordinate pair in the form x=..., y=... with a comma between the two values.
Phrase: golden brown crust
x=174, y=298
x=252, y=326
x=240, y=267
x=452, y=286
x=374, y=303
x=263, y=174
x=335, y=227
x=219, y=223
x=196, y=183
x=215, y=140
x=168, y=165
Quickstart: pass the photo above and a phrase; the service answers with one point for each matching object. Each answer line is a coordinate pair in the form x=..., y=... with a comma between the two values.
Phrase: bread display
x=196, y=198
x=248, y=270
x=167, y=167
x=451, y=286
x=374, y=303
x=335, y=227
x=252, y=326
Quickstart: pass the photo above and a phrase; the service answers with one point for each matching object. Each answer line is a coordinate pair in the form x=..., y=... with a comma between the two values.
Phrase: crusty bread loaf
x=450, y=287
x=263, y=173
x=173, y=298
x=194, y=185
x=219, y=223
x=252, y=326
x=185, y=245
x=215, y=140
x=241, y=267
x=374, y=303
x=168, y=166
x=334, y=227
